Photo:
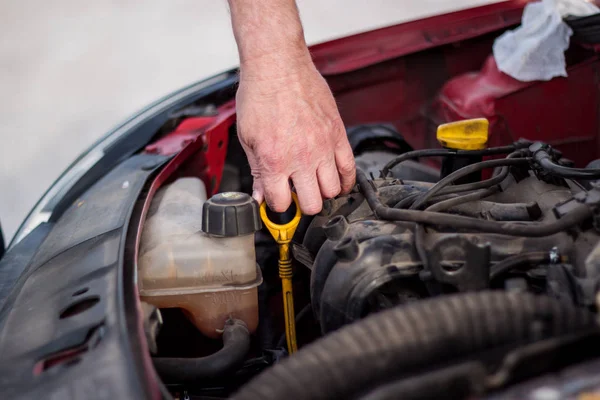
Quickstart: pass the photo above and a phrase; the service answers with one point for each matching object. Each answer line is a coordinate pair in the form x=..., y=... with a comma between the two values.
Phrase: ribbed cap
x=230, y=214
x=468, y=134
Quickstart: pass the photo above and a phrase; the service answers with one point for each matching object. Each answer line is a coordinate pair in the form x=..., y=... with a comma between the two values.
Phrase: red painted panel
x=364, y=49
x=562, y=112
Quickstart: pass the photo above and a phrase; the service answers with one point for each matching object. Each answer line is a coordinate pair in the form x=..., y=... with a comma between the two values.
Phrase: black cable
x=566, y=172
x=490, y=189
x=495, y=180
x=542, y=157
x=411, y=155
x=578, y=214
x=464, y=172
x=446, y=152
x=478, y=195
x=447, y=193
x=407, y=201
x=532, y=259
x=450, y=192
x=466, y=187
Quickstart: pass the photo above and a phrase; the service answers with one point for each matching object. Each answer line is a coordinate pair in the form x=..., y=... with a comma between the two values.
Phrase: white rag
x=535, y=50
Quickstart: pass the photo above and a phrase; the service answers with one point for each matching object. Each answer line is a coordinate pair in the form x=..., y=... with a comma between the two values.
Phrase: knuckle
x=347, y=167
x=248, y=141
x=312, y=208
x=332, y=120
x=331, y=191
x=337, y=126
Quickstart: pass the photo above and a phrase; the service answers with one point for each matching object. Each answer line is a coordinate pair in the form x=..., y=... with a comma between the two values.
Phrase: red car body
x=420, y=74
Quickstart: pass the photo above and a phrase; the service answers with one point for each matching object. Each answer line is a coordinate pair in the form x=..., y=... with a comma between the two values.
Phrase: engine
x=450, y=286
x=426, y=282
x=362, y=263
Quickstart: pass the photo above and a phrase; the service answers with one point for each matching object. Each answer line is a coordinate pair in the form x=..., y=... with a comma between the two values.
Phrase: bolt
x=554, y=255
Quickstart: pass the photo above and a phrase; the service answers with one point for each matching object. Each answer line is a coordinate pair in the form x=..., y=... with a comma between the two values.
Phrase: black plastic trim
x=81, y=261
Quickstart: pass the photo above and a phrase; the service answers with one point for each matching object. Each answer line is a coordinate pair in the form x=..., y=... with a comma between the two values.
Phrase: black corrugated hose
x=361, y=356
x=236, y=343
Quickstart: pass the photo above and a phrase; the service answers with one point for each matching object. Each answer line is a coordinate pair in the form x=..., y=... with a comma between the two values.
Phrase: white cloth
x=535, y=50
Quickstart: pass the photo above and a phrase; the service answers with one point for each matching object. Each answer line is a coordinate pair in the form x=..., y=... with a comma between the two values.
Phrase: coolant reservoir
x=199, y=255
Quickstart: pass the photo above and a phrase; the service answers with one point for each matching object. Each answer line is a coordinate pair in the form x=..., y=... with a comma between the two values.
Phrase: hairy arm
x=288, y=122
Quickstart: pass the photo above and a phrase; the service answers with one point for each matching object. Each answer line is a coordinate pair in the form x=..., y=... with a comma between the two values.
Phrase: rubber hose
x=566, y=172
x=401, y=340
x=495, y=180
x=408, y=200
x=532, y=259
x=577, y=215
x=411, y=155
x=544, y=160
x=464, y=171
x=455, y=201
x=236, y=344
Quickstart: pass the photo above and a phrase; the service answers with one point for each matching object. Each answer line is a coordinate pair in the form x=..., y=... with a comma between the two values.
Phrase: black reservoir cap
x=230, y=214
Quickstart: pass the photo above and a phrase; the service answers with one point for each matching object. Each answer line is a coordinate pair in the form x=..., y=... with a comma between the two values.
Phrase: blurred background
x=70, y=70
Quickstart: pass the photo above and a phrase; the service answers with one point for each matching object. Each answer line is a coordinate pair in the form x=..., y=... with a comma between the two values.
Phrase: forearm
x=269, y=36
x=287, y=119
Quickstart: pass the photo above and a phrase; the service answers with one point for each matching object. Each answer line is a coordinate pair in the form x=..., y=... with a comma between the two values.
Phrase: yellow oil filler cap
x=469, y=134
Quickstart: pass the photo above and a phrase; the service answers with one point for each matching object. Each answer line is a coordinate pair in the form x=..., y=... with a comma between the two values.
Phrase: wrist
x=276, y=64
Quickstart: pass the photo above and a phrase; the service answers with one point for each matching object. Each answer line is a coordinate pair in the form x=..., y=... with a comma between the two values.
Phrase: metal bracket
x=472, y=268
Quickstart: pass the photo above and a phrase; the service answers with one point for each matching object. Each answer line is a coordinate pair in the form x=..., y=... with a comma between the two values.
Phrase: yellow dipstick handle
x=283, y=236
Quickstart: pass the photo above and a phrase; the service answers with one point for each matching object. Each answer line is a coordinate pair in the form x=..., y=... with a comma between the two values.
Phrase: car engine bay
x=451, y=270
x=420, y=283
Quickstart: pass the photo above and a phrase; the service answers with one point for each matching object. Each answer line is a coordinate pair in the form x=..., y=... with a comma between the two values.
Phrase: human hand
x=290, y=129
